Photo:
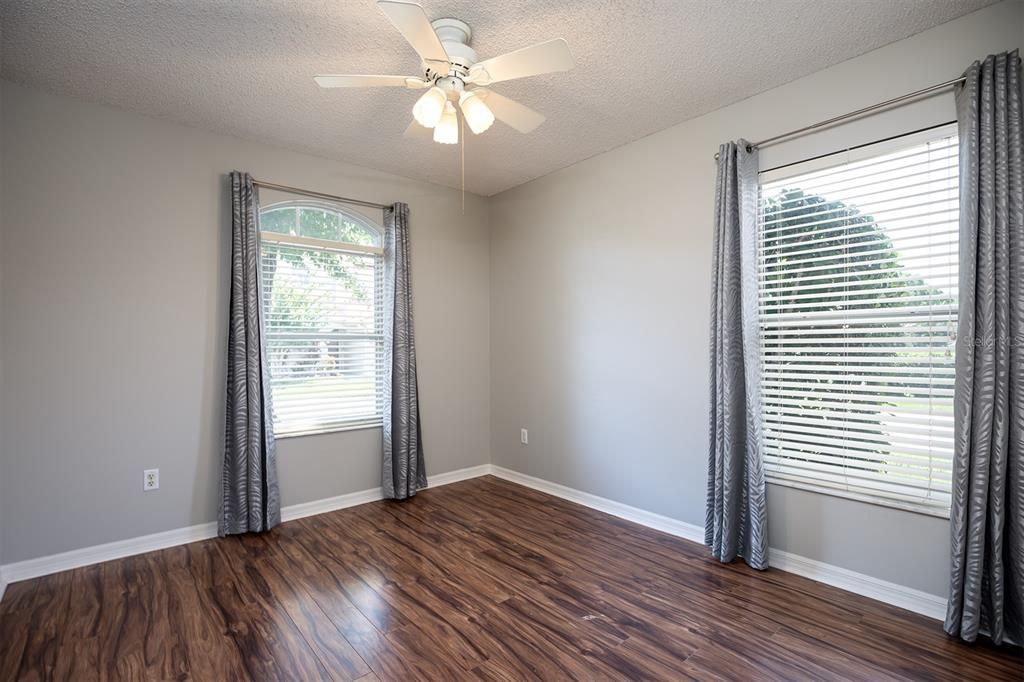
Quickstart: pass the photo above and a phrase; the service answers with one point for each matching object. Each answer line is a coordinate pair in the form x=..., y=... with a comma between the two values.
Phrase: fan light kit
x=447, y=129
x=478, y=116
x=451, y=73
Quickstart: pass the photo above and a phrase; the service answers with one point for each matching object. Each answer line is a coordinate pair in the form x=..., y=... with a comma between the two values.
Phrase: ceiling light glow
x=478, y=115
x=430, y=107
x=447, y=129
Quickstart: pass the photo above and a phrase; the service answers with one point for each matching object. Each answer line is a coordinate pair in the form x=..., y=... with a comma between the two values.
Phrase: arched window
x=322, y=271
x=319, y=220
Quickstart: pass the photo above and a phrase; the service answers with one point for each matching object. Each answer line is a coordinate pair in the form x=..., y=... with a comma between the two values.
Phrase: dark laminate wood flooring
x=481, y=579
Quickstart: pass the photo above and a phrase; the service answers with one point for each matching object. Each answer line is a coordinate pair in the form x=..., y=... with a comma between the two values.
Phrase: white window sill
x=926, y=510
x=327, y=429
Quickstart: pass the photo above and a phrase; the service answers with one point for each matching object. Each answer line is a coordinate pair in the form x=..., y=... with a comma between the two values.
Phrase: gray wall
x=600, y=295
x=115, y=291
x=587, y=323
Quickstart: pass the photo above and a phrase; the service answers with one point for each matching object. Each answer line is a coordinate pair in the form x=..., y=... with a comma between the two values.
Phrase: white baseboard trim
x=438, y=480
x=924, y=603
x=329, y=504
x=645, y=518
x=55, y=563
x=298, y=511
x=902, y=596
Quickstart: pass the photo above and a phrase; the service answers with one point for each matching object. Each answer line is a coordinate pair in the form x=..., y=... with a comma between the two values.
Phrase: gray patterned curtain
x=736, y=519
x=404, y=471
x=249, y=496
x=986, y=590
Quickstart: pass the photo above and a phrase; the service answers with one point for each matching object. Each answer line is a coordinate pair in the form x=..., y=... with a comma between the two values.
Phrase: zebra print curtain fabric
x=736, y=516
x=986, y=590
x=249, y=496
x=404, y=471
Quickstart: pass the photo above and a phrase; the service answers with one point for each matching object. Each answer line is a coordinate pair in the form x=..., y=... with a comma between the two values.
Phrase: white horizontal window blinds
x=858, y=313
x=324, y=330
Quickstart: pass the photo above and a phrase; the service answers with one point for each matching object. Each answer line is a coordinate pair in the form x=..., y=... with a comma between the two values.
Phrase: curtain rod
x=317, y=195
x=854, y=114
x=858, y=146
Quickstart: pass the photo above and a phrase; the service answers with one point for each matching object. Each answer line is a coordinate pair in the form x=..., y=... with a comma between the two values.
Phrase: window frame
x=336, y=246
x=801, y=168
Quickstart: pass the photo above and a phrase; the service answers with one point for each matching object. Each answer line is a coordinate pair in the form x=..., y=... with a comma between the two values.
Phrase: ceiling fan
x=451, y=73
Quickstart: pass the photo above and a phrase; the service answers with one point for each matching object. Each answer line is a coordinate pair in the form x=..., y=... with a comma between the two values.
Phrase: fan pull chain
x=462, y=148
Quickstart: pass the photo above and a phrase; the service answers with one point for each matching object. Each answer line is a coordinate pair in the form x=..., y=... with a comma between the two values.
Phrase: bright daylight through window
x=858, y=302
x=322, y=272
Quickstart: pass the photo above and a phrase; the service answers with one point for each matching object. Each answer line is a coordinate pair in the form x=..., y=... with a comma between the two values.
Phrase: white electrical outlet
x=524, y=436
x=151, y=479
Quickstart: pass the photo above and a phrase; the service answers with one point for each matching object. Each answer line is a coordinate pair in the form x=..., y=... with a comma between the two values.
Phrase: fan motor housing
x=455, y=36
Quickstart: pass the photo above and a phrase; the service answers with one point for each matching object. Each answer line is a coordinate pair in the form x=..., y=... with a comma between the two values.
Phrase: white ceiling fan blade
x=546, y=57
x=417, y=132
x=361, y=81
x=411, y=21
x=512, y=113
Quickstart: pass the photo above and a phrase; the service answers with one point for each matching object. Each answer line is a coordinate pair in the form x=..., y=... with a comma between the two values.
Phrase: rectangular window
x=322, y=272
x=858, y=313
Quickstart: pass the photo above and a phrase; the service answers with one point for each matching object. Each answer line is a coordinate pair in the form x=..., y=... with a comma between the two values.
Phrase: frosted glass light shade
x=447, y=129
x=478, y=115
x=428, y=109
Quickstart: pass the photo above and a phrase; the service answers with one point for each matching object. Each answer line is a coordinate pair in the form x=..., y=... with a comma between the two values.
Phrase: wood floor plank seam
x=350, y=669
x=480, y=579
x=377, y=668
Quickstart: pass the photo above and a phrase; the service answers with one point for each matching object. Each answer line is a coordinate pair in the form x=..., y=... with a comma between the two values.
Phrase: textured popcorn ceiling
x=245, y=68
